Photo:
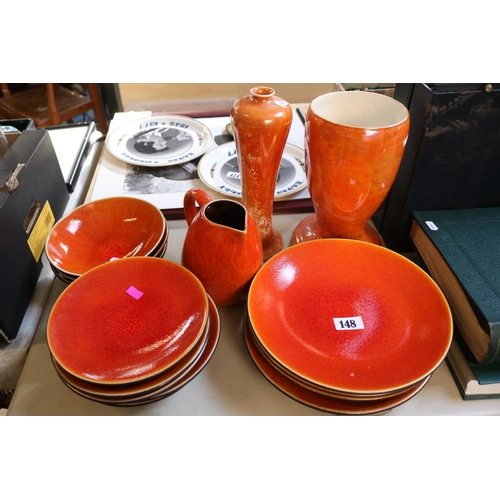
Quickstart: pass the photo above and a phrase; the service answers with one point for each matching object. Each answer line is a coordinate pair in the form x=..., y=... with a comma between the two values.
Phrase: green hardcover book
x=474, y=380
x=461, y=249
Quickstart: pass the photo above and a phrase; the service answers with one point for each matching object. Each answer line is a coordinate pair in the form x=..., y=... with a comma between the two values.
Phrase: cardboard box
x=33, y=195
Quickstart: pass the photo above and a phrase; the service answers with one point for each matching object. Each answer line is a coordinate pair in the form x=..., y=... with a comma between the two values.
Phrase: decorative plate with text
x=159, y=141
x=219, y=169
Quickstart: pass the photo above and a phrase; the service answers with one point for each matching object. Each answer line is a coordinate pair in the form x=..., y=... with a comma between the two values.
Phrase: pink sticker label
x=133, y=292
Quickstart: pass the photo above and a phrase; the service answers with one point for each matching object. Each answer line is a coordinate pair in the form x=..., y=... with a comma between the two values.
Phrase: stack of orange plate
x=132, y=331
x=346, y=327
x=102, y=231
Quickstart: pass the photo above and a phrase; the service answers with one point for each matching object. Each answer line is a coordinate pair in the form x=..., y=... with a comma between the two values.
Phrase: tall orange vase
x=261, y=122
x=354, y=143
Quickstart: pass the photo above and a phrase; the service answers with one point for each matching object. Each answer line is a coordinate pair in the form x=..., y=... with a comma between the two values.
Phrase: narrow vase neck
x=262, y=92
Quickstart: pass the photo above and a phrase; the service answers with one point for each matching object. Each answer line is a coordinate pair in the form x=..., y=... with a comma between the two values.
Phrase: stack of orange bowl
x=132, y=331
x=102, y=231
x=346, y=327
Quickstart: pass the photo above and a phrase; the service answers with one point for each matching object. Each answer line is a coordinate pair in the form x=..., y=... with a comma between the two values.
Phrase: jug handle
x=191, y=197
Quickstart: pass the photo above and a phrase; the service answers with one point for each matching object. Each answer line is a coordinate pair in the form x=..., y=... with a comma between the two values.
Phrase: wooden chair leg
x=51, y=104
x=98, y=108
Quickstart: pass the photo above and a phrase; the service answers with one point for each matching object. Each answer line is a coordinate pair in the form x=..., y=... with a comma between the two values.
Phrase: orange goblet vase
x=354, y=143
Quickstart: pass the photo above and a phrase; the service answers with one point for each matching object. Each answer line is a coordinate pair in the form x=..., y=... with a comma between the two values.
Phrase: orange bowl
x=350, y=316
x=102, y=231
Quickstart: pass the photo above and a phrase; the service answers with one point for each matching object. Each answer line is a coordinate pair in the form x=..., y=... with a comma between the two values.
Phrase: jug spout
x=227, y=213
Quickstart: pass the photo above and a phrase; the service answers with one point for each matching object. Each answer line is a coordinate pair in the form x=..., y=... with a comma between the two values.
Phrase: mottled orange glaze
x=261, y=123
x=106, y=229
x=136, y=388
x=222, y=247
x=101, y=331
x=298, y=295
x=350, y=170
x=155, y=388
x=330, y=404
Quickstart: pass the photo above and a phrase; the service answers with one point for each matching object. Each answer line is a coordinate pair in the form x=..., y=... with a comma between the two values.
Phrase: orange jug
x=223, y=247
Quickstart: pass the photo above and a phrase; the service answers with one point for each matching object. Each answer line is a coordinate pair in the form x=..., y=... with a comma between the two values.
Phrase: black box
x=33, y=195
x=452, y=157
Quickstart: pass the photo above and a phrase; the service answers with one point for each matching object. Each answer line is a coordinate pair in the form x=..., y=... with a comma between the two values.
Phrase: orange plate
x=358, y=396
x=330, y=404
x=397, y=323
x=102, y=230
x=172, y=386
x=127, y=320
x=116, y=391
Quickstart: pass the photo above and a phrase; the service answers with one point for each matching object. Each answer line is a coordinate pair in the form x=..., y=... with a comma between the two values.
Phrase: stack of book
x=461, y=250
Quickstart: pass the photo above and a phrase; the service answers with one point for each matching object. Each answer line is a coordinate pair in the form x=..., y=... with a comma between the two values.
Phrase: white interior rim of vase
x=262, y=91
x=356, y=108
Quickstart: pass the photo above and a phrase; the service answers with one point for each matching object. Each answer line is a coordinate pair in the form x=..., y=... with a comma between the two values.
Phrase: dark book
x=474, y=380
x=461, y=249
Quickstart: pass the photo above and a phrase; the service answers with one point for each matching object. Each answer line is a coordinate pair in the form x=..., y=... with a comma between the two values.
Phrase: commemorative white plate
x=159, y=141
x=219, y=170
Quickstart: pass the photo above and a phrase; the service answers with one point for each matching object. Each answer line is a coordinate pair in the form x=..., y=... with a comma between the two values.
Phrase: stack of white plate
x=102, y=231
x=346, y=327
x=132, y=331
